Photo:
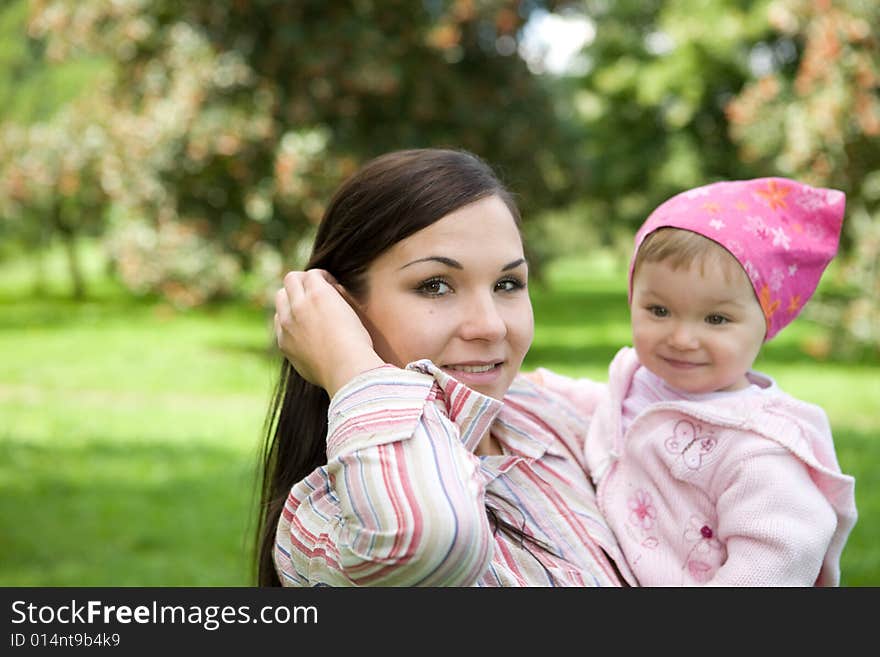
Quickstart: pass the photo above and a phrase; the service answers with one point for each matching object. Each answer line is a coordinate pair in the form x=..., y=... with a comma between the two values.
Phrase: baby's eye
x=658, y=311
x=716, y=319
x=509, y=285
x=434, y=287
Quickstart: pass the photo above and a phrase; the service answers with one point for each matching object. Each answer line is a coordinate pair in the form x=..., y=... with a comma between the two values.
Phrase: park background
x=163, y=163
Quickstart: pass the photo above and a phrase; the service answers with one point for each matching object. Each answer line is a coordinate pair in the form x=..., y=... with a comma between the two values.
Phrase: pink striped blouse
x=402, y=499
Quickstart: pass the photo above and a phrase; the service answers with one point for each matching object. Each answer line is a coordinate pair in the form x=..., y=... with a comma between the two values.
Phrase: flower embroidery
x=780, y=238
x=756, y=226
x=711, y=206
x=717, y=224
x=816, y=232
x=703, y=553
x=777, y=278
x=642, y=510
x=736, y=249
x=752, y=271
x=794, y=303
x=700, y=532
x=774, y=195
x=767, y=305
x=699, y=570
x=792, y=270
x=812, y=200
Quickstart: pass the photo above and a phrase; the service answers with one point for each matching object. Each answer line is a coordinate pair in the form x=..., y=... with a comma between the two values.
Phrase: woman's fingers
x=283, y=316
x=282, y=302
x=319, y=331
x=279, y=332
x=331, y=279
x=326, y=275
x=293, y=285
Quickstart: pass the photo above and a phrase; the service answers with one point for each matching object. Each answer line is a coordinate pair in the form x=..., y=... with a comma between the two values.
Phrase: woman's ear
x=380, y=343
x=349, y=297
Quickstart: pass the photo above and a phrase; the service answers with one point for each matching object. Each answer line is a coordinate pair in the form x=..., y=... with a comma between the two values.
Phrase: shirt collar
x=520, y=422
x=471, y=411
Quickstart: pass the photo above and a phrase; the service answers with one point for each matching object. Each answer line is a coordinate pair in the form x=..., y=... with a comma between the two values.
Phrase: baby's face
x=699, y=328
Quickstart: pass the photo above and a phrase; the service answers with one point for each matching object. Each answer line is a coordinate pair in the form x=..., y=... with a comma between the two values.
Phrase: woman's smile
x=474, y=374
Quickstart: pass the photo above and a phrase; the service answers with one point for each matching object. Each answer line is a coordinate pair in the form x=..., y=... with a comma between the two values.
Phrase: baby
x=706, y=470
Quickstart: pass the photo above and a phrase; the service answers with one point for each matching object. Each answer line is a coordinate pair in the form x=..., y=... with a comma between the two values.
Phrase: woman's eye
x=716, y=319
x=434, y=287
x=509, y=285
x=658, y=311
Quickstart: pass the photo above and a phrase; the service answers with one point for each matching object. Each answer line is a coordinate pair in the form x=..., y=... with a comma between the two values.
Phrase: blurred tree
x=678, y=94
x=48, y=151
x=237, y=118
x=31, y=90
x=820, y=121
x=652, y=102
x=50, y=182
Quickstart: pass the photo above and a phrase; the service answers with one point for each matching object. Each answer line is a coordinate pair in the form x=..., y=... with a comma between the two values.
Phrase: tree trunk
x=73, y=266
x=43, y=243
x=68, y=237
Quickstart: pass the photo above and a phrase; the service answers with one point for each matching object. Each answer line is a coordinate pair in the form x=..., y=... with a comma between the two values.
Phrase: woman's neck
x=489, y=446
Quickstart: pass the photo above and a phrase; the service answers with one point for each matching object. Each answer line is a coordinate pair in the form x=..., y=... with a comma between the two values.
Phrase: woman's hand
x=319, y=332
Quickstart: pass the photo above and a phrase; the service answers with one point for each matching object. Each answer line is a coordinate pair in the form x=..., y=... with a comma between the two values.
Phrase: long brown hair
x=388, y=199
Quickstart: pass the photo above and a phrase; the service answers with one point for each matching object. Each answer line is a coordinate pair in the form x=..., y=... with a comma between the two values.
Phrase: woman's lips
x=474, y=374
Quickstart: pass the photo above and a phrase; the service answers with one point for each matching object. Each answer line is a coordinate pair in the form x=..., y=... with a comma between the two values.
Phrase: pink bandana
x=783, y=233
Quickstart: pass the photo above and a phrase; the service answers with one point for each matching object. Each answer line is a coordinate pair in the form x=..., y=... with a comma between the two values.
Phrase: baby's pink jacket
x=744, y=491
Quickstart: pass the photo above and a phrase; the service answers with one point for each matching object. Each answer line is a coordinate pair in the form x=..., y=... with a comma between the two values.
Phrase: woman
x=440, y=464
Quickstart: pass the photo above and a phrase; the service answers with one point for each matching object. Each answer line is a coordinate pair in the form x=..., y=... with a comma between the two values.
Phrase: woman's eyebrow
x=455, y=264
x=449, y=262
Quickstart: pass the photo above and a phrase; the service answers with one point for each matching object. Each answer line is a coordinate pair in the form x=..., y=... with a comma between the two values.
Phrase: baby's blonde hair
x=680, y=248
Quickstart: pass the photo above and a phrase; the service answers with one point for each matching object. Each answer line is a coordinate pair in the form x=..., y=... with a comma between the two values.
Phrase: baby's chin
x=693, y=386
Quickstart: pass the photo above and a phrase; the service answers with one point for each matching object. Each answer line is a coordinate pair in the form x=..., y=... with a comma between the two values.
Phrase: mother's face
x=455, y=293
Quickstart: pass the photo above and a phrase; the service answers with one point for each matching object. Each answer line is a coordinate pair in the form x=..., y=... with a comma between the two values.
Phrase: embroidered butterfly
x=687, y=443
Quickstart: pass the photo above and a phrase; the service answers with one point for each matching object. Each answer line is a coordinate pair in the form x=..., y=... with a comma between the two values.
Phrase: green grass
x=128, y=431
x=128, y=437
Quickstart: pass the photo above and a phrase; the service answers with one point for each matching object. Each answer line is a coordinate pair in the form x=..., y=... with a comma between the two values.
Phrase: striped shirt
x=402, y=500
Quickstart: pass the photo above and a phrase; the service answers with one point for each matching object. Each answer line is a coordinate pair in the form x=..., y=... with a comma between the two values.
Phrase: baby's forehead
x=712, y=257
x=680, y=248
x=712, y=275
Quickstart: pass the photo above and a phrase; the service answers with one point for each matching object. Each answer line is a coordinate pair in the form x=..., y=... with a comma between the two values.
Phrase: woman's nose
x=482, y=320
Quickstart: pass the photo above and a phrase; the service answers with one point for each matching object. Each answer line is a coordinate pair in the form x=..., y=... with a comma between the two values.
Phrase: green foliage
x=652, y=103
x=819, y=121
x=51, y=145
x=679, y=94
x=231, y=122
x=32, y=89
x=241, y=117
x=173, y=260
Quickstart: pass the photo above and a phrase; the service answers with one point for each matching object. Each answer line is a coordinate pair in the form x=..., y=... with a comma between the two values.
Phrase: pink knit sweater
x=744, y=491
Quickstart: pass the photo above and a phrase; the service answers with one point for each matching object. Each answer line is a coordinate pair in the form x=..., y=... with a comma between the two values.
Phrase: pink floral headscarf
x=783, y=233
